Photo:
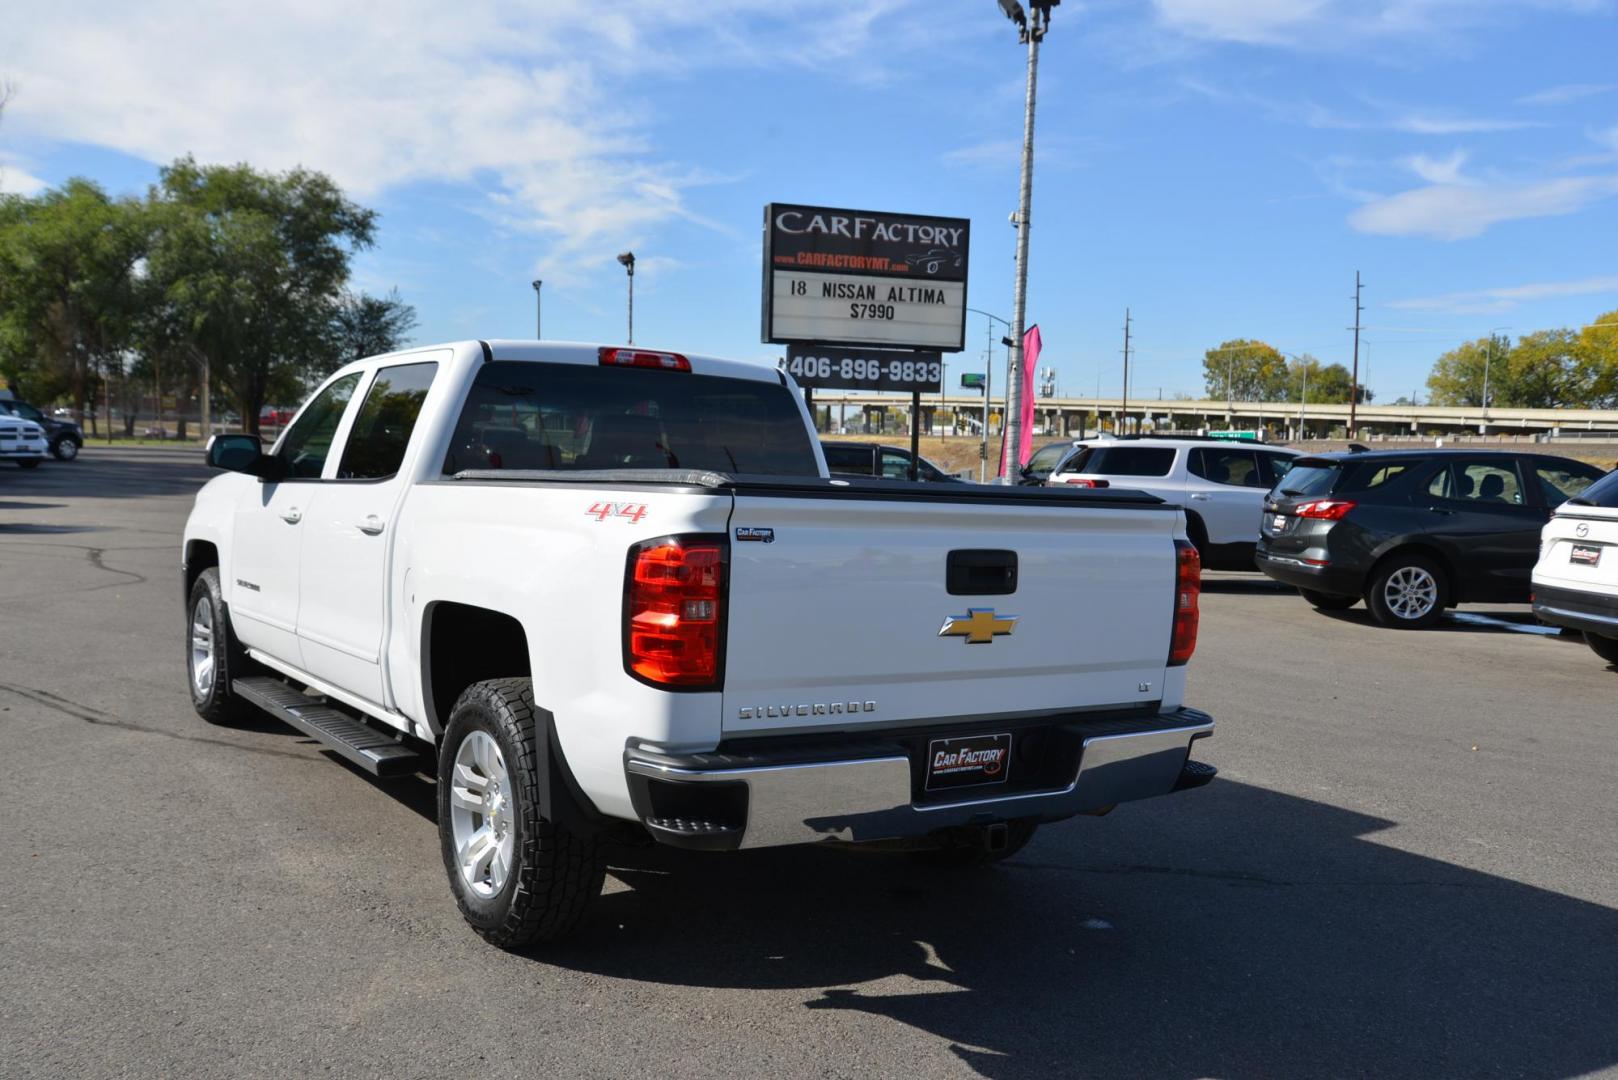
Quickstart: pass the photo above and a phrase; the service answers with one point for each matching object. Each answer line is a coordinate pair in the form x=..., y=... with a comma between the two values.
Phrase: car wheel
x=1328, y=601
x=1407, y=592
x=65, y=449
x=517, y=877
x=970, y=847
x=1605, y=647
x=212, y=654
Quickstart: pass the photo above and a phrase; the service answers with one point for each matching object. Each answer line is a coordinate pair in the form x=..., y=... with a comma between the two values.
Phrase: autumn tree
x=1245, y=370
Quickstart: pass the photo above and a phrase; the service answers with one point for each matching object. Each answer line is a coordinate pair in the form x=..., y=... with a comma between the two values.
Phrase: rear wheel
x=1407, y=592
x=1605, y=647
x=517, y=877
x=1328, y=601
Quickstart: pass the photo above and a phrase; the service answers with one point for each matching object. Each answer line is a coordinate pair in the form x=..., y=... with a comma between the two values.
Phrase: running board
x=376, y=753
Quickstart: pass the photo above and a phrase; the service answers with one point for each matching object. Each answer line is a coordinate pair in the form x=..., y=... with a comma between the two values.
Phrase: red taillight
x=667, y=361
x=1087, y=483
x=1324, y=509
x=673, y=612
x=1187, y=595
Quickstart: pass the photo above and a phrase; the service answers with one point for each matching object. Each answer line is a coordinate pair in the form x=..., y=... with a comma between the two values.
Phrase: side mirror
x=244, y=454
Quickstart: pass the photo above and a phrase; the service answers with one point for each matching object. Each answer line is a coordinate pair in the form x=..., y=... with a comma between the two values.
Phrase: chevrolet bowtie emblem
x=979, y=626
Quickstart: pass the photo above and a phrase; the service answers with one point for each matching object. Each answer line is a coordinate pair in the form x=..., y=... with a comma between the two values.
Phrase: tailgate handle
x=981, y=572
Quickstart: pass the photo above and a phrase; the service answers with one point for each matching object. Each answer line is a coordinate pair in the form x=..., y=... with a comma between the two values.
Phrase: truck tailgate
x=844, y=618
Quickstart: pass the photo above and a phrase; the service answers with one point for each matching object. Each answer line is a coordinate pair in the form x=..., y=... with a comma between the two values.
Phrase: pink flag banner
x=1031, y=345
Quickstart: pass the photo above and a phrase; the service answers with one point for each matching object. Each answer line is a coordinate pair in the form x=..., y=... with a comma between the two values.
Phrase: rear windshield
x=1309, y=480
x=521, y=415
x=1325, y=477
x=1603, y=492
x=1123, y=461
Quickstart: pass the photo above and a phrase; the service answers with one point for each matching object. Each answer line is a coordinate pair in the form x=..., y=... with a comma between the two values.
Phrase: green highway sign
x=1233, y=435
x=972, y=380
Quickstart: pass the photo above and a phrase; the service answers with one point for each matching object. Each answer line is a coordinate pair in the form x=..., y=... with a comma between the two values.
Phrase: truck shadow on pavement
x=113, y=474
x=1233, y=931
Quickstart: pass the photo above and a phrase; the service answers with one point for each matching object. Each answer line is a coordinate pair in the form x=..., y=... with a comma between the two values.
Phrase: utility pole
x=628, y=259
x=1354, y=386
x=1126, y=374
x=539, y=322
x=1030, y=32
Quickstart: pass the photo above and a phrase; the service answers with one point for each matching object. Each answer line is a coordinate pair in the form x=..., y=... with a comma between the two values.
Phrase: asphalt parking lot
x=1406, y=868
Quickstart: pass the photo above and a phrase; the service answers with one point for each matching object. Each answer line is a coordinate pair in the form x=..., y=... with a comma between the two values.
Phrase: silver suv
x=1221, y=483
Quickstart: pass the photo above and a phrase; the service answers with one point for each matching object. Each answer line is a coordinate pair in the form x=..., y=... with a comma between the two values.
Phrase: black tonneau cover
x=817, y=487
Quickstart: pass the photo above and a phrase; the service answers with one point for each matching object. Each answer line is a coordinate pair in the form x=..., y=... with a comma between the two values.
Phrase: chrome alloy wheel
x=202, y=649
x=481, y=812
x=1411, y=592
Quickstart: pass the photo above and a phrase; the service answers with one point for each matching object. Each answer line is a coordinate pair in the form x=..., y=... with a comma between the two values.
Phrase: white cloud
x=16, y=180
x=1485, y=301
x=532, y=103
x=1332, y=25
x=1457, y=211
x=1438, y=170
x=1562, y=95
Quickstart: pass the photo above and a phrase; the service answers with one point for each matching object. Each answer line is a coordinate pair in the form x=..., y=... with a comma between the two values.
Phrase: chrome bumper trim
x=869, y=798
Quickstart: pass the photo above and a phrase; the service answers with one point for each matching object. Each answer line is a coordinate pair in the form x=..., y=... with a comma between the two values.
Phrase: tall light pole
x=628, y=260
x=1354, y=385
x=988, y=385
x=539, y=322
x=1029, y=32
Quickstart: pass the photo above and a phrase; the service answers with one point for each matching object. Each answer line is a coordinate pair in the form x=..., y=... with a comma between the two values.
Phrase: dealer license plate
x=968, y=761
x=1278, y=523
x=1585, y=555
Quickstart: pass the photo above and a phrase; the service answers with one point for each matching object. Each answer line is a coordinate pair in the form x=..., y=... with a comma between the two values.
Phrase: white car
x=22, y=441
x=1221, y=483
x=610, y=593
x=1576, y=578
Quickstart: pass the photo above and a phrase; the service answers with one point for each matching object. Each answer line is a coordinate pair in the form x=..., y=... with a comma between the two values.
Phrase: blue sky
x=1222, y=168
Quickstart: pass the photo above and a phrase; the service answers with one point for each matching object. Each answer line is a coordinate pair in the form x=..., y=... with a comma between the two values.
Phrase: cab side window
x=848, y=459
x=308, y=441
x=376, y=444
x=1238, y=468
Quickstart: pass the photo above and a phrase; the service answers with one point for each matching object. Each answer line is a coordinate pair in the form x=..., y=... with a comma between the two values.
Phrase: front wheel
x=1328, y=601
x=1605, y=647
x=517, y=877
x=1408, y=592
x=65, y=449
x=213, y=657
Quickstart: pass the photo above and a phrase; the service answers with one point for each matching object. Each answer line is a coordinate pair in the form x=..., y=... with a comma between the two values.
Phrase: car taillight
x=1087, y=483
x=1324, y=509
x=667, y=361
x=674, y=612
x=1187, y=595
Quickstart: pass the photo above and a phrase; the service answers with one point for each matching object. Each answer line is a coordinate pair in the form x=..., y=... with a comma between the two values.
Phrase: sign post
x=865, y=300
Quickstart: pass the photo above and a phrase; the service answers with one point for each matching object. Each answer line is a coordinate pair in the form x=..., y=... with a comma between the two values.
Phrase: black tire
x=32, y=463
x=215, y=703
x=1328, y=601
x=65, y=449
x=1605, y=647
x=969, y=847
x=1425, y=578
x=555, y=873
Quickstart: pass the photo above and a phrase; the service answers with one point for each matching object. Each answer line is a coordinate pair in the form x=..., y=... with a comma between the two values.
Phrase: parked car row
x=1410, y=532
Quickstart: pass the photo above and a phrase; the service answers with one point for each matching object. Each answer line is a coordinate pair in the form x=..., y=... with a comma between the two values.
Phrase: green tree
x=1547, y=369
x=369, y=325
x=1245, y=370
x=1457, y=376
x=69, y=287
x=253, y=266
x=1597, y=352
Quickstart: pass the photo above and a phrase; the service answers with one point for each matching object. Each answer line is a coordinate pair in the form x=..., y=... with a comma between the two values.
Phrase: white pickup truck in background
x=608, y=594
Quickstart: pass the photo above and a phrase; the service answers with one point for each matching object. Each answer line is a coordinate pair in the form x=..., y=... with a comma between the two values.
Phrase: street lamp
x=627, y=258
x=988, y=385
x=1029, y=33
x=538, y=321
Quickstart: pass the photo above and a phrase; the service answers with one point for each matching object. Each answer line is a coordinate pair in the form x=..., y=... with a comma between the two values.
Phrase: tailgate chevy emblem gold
x=979, y=626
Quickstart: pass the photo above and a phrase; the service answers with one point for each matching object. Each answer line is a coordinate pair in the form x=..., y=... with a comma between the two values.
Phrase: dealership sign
x=850, y=277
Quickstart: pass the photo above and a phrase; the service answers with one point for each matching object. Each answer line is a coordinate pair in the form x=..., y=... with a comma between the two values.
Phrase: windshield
x=522, y=415
x=1309, y=479
x=1603, y=492
x=1046, y=458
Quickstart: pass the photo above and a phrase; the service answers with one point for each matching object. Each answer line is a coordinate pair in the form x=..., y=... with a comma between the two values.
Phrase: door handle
x=371, y=525
x=1446, y=513
x=292, y=515
x=1201, y=498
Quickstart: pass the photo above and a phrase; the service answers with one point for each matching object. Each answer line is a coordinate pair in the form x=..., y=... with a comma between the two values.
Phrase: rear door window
x=1479, y=483
x=527, y=415
x=1235, y=467
x=855, y=460
x=1045, y=460
x=376, y=443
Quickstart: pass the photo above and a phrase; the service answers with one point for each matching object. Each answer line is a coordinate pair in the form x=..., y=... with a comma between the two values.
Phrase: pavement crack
x=91, y=715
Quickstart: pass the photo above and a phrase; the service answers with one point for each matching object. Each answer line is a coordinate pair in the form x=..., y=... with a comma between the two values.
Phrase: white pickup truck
x=610, y=594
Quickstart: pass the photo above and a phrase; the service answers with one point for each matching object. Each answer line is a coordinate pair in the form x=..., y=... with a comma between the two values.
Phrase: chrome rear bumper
x=867, y=792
